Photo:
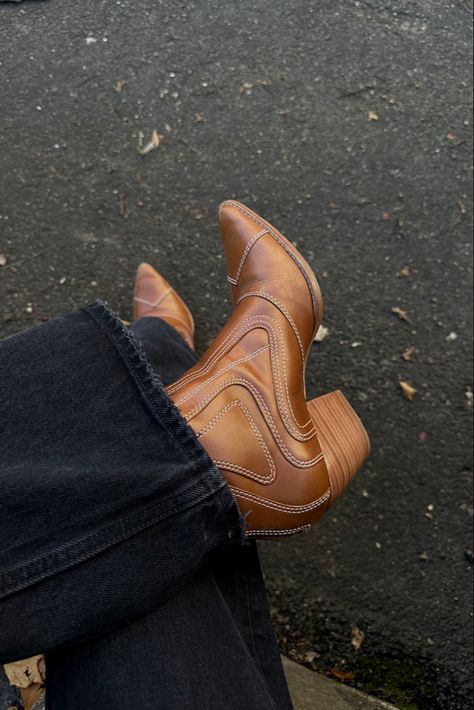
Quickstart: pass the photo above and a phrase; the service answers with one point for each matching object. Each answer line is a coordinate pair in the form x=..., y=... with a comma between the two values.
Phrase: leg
x=166, y=350
x=100, y=474
x=211, y=646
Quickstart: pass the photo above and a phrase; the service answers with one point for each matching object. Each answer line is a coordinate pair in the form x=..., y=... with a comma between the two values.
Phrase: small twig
x=118, y=113
x=28, y=258
x=123, y=205
x=193, y=150
x=462, y=212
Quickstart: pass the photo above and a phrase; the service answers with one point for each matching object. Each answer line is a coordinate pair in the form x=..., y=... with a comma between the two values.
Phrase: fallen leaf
x=153, y=144
x=118, y=86
x=372, y=116
x=199, y=118
x=248, y=85
x=407, y=354
x=198, y=214
x=341, y=675
x=404, y=272
x=451, y=137
x=310, y=656
x=25, y=672
x=424, y=557
x=408, y=390
x=403, y=315
x=3, y=259
x=31, y=695
x=385, y=216
x=357, y=637
x=322, y=334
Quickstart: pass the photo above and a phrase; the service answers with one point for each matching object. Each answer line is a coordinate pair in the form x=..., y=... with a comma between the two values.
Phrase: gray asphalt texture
x=347, y=124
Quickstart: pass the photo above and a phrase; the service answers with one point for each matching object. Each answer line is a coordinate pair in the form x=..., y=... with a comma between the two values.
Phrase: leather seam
x=246, y=252
x=290, y=509
x=267, y=416
x=254, y=354
x=288, y=531
x=228, y=465
x=281, y=307
x=236, y=334
x=314, y=299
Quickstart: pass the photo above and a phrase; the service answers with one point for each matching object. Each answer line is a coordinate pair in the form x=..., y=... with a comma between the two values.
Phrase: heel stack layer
x=342, y=436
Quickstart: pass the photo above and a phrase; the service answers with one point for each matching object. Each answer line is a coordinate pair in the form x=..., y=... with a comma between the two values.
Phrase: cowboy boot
x=245, y=399
x=154, y=297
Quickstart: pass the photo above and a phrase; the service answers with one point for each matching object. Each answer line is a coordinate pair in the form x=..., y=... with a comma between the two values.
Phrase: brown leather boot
x=245, y=399
x=155, y=297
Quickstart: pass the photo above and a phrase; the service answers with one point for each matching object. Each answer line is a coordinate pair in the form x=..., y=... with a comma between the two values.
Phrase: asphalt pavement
x=346, y=123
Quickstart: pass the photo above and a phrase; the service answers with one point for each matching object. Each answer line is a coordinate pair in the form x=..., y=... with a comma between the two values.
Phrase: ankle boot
x=245, y=399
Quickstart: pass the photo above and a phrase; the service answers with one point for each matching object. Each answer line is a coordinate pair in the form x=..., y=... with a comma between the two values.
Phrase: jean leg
x=188, y=654
x=236, y=569
x=238, y=575
x=211, y=647
x=108, y=502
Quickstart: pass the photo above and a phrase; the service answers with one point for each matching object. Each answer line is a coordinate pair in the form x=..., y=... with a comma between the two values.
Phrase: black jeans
x=122, y=552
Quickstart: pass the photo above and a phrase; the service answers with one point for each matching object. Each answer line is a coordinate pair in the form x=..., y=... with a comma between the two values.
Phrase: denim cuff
x=189, y=476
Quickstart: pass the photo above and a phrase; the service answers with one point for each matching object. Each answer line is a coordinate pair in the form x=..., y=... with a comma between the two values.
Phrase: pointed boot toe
x=154, y=297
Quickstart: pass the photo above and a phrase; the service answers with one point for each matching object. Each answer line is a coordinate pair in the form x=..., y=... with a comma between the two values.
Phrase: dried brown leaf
x=248, y=85
x=341, y=675
x=153, y=143
x=372, y=116
x=403, y=315
x=322, y=334
x=118, y=86
x=357, y=637
x=404, y=272
x=407, y=354
x=31, y=695
x=408, y=390
x=25, y=672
